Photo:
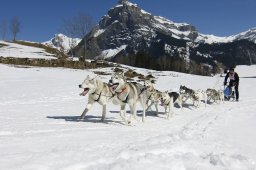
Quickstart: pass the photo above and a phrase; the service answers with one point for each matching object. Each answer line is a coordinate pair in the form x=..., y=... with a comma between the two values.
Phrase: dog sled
x=229, y=92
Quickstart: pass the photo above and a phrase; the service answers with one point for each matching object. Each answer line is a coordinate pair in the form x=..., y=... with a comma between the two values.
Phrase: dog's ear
x=123, y=76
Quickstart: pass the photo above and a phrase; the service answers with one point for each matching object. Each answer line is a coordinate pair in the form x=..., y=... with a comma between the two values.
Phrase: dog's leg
x=171, y=108
x=208, y=99
x=205, y=100
x=149, y=107
x=144, y=114
x=133, y=112
x=88, y=107
x=103, y=113
x=196, y=102
x=169, y=112
x=144, y=106
x=156, y=108
x=165, y=109
x=123, y=113
x=180, y=103
x=193, y=102
x=199, y=102
x=186, y=99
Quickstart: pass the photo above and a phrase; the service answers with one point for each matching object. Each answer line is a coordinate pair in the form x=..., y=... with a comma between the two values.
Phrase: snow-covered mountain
x=62, y=42
x=130, y=35
x=248, y=35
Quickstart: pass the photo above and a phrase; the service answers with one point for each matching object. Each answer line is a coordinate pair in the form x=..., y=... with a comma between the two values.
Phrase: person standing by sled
x=233, y=81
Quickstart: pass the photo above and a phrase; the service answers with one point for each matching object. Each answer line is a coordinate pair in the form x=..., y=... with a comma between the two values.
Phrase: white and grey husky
x=215, y=96
x=128, y=93
x=98, y=92
x=153, y=95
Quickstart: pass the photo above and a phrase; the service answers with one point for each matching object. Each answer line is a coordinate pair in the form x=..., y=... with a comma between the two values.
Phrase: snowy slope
x=249, y=35
x=39, y=126
x=22, y=51
x=61, y=41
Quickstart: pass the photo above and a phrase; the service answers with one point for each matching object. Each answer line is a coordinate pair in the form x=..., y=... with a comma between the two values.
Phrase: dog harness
x=100, y=94
x=97, y=100
x=167, y=103
x=123, y=90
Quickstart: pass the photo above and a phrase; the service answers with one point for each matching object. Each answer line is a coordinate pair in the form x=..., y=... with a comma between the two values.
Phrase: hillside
x=24, y=50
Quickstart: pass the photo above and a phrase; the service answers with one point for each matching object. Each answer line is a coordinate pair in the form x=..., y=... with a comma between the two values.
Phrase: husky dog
x=153, y=95
x=213, y=95
x=98, y=92
x=200, y=95
x=195, y=96
x=187, y=93
x=128, y=93
x=168, y=100
x=221, y=95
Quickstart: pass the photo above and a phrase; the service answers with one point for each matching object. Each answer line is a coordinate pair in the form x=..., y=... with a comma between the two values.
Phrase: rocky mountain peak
x=122, y=1
x=130, y=35
x=62, y=42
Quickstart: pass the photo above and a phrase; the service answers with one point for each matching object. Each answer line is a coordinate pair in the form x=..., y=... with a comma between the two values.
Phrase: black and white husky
x=194, y=96
x=168, y=100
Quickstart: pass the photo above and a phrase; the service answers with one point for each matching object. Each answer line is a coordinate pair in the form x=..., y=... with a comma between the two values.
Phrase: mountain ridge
x=128, y=33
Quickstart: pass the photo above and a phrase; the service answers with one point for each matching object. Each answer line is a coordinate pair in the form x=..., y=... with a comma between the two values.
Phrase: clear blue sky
x=41, y=19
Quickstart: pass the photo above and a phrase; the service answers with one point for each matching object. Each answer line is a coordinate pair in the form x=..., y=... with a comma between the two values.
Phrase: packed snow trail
x=40, y=126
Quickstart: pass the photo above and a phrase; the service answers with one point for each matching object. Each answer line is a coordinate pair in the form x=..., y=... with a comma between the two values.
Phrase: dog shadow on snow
x=88, y=118
x=139, y=113
x=153, y=113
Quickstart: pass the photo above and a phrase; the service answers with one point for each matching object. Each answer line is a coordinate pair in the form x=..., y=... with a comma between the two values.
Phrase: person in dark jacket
x=233, y=81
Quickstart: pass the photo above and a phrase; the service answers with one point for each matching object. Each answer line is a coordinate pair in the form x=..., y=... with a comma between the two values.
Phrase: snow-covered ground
x=23, y=51
x=40, y=129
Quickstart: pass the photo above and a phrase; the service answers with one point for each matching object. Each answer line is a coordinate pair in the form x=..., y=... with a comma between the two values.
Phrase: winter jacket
x=233, y=79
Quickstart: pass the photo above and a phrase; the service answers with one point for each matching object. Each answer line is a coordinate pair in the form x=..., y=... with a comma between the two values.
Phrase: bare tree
x=3, y=29
x=15, y=27
x=72, y=45
x=78, y=27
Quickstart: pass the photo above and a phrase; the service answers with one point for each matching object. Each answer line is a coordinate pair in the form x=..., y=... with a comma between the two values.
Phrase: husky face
x=117, y=81
x=164, y=97
x=182, y=89
x=148, y=84
x=88, y=85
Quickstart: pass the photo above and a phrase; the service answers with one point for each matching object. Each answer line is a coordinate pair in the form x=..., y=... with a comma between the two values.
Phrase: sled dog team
x=121, y=92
